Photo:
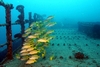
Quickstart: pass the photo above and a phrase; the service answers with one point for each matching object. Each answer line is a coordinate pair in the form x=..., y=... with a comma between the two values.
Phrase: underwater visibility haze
x=62, y=33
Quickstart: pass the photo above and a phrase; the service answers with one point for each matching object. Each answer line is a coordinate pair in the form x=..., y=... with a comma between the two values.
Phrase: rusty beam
x=16, y=23
x=8, y=8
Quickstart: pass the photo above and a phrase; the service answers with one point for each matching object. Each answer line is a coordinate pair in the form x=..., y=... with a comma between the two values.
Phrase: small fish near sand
x=37, y=38
x=43, y=40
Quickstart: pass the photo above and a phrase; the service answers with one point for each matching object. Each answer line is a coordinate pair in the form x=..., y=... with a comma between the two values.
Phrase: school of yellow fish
x=36, y=40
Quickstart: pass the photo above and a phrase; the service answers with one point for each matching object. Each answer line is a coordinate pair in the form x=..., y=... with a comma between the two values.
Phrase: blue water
x=64, y=11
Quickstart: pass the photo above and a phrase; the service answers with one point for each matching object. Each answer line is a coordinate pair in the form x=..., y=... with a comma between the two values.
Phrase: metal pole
x=8, y=31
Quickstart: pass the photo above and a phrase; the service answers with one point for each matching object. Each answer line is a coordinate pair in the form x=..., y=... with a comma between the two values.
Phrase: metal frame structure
x=20, y=21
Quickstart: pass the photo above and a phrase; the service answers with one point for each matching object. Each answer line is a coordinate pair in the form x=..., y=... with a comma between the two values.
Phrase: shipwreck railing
x=20, y=21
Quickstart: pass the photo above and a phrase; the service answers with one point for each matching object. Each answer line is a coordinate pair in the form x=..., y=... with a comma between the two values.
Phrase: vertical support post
x=30, y=18
x=9, y=32
x=20, y=8
x=22, y=24
x=35, y=17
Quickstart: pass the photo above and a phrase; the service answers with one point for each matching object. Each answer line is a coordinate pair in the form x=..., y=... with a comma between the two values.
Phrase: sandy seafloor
x=65, y=44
